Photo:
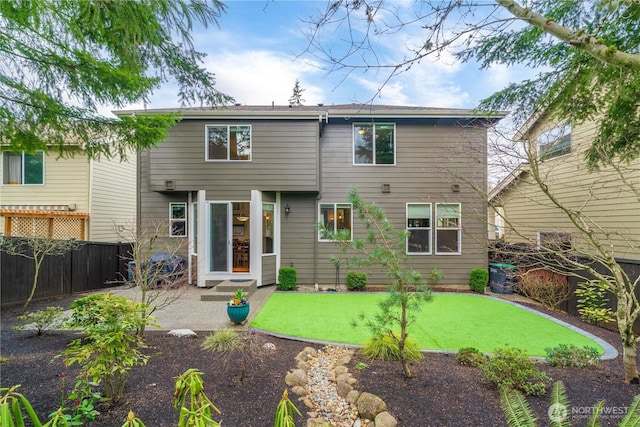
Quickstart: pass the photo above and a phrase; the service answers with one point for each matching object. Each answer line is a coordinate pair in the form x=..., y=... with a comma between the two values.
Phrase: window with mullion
x=23, y=168
x=448, y=230
x=335, y=218
x=419, y=228
x=177, y=219
x=374, y=144
x=226, y=142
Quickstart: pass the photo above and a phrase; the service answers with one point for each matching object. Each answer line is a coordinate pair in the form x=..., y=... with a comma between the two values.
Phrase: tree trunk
x=629, y=358
x=38, y=263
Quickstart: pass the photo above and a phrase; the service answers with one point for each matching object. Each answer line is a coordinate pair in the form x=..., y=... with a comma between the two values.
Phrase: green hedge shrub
x=511, y=368
x=470, y=356
x=287, y=278
x=479, y=279
x=570, y=355
x=356, y=280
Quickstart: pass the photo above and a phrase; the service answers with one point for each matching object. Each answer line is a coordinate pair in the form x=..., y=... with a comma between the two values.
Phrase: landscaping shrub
x=479, y=279
x=592, y=303
x=435, y=275
x=549, y=289
x=570, y=355
x=356, y=280
x=470, y=356
x=386, y=348
x=287, y=278
x=510, y=367
x=108, y=349
x=42, y=320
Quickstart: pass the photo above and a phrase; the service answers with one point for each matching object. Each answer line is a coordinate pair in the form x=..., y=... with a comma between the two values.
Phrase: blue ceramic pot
x=238, y=313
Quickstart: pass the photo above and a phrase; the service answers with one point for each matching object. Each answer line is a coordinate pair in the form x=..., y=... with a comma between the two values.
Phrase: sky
x=259, y=50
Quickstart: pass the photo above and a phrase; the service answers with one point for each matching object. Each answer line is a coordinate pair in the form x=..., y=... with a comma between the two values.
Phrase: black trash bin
x=501, y=278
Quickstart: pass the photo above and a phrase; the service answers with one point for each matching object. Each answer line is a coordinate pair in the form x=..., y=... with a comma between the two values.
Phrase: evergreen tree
x=296, y=98
x=64, y=60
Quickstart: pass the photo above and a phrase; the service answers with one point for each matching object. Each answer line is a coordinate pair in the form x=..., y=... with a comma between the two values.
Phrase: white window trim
x=353, y=145
x=459, y=229
x=22, y=168
x=172, y=220
x=206, y=143
x=193, y=214
x=407, y=228
x=335, y=213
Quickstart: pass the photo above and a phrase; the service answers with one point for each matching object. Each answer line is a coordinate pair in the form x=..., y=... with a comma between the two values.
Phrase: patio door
x=219, y=239
x=229, y=244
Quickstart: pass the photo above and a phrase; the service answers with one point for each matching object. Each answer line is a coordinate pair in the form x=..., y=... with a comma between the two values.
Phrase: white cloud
x=260, y=77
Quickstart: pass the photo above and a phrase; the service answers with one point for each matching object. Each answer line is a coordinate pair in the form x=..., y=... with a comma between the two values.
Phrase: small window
x=374, y=144
x=177, y=219
x=335, y=218
x=228, y=142
x=419, y=228
x=554, y=142
x=268, y=210
x=448, y=228
x=23, y=168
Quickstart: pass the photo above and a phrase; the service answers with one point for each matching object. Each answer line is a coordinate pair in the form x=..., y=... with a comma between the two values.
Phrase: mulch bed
x=442, y=392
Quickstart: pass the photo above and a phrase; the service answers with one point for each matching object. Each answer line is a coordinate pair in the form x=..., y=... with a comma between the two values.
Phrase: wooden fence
x=523, y=256
x=91, y=267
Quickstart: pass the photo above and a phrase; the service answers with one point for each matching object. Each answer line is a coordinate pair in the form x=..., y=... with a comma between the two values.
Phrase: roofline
x=320, y=113
x=507, y=181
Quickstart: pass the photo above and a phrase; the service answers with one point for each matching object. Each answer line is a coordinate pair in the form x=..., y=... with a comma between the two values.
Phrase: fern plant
x=519, y=414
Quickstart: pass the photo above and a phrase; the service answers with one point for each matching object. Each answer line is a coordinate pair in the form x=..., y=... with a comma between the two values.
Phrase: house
x=608, y=197
x=45, y=195
x=245, y=186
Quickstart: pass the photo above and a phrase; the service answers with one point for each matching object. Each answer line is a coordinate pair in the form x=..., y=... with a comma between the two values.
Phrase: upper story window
x=23, y=168
x=419, y=228
x=335, y=217
x=554, y=142
x=228, y=142
x=374, y=144
x=448, y=230
x=177, y=219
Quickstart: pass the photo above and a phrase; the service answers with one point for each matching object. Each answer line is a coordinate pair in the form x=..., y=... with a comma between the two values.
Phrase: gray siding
x=428, y=161
x=283, y=158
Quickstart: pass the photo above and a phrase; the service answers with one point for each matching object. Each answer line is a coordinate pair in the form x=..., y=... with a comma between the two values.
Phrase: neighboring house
x=44, y=195
x=603, y=195
x=244, y=187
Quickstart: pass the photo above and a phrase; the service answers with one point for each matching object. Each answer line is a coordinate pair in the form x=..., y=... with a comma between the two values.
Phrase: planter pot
x=238, y=313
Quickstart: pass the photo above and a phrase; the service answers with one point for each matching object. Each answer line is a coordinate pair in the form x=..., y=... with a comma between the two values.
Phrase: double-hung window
x=177, y=219
x=554, y=142
x=419, y=228
x=374, y=144
x=226, y=142
x=335, y=218
x=448, y=230
x=23, y=168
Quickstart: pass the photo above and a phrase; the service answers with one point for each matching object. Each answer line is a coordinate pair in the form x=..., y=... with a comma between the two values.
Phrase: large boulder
x=369, y=405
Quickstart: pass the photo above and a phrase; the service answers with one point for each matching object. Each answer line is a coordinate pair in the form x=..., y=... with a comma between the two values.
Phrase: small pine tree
x=296, y=98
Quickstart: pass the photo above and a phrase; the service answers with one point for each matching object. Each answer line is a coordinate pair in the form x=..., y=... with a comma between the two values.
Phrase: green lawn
x=449, y=322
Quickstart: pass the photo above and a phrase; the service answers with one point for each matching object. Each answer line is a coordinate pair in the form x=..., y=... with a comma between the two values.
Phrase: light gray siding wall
x=429, y=160
x=113, y=199
x=283, y=158
x=609, y=204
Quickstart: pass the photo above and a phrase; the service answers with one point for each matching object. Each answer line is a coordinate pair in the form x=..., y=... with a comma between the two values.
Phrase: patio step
x=225, y=290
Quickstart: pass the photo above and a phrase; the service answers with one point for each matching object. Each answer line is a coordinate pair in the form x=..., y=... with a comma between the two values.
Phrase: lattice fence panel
x=68, y=228
x=54, y=228
x=30, y=227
